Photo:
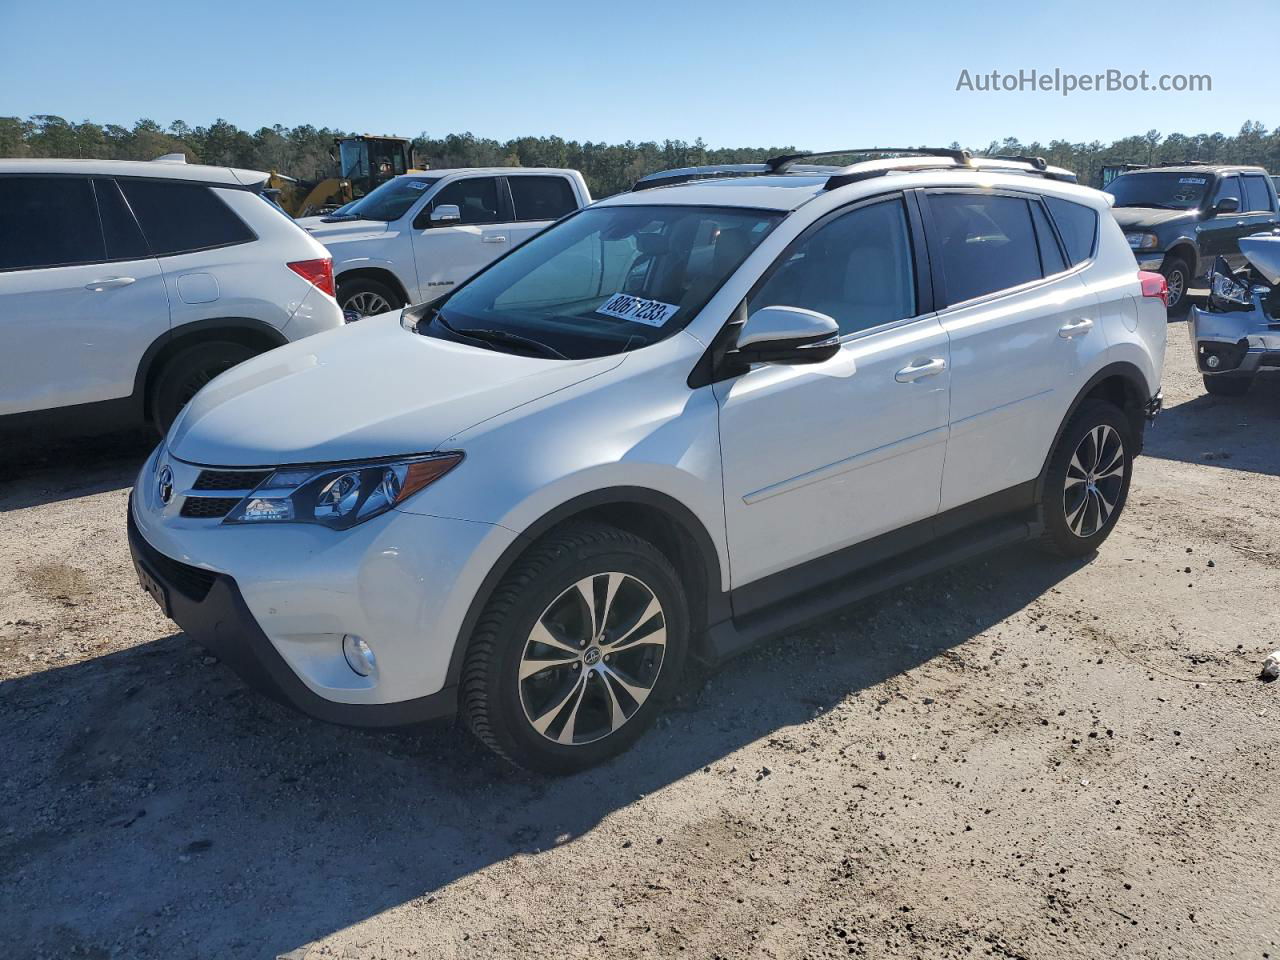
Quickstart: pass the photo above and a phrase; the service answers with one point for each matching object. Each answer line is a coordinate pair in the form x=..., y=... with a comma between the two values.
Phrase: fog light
x=359, y=655
x=1213, y=361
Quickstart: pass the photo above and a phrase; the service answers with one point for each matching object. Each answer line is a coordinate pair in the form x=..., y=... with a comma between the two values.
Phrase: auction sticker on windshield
x=653, y=313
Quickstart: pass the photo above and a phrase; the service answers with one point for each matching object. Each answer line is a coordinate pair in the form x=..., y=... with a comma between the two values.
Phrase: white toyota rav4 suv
x=678, y=421
x=415, y=237
x=126, y=286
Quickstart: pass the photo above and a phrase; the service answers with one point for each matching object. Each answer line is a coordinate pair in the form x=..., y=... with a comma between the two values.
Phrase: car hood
x=342, y=230
x=1263, y=251
x=371, y=389
x=1148, y=218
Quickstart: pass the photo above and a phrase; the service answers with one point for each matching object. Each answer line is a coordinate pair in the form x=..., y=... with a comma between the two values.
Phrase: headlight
x=1142, y=241
x=1226, y=293
x=340, y=495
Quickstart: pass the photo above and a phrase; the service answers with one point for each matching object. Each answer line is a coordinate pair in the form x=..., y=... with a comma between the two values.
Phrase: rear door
x=538, y=200
x=446, y=254
x=1259, y=206
x=1016, y=318
x=81, y=297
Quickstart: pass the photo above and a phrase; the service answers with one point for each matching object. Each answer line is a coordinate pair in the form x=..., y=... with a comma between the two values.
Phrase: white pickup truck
x=420, y=234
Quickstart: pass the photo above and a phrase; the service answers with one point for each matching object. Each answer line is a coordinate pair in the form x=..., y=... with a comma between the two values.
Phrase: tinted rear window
x=1078, y=226
x=48, y=222
x=180, y=217
x=1256, y=195
x=541, y=198
x=988, y=243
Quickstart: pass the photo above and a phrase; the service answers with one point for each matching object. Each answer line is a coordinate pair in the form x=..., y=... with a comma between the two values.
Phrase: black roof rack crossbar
x=780, y=164
x=1038, y=163
x=667, y=178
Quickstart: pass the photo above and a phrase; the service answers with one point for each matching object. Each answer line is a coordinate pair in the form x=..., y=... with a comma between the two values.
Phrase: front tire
x=360, y=298
x=1228, y=385
x=1087, y=482
x=188, y=371
x=584, y=638
x=1178, y=277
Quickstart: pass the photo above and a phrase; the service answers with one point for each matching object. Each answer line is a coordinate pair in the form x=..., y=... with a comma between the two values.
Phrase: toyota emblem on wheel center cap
x=591, y=657
x=164, y=485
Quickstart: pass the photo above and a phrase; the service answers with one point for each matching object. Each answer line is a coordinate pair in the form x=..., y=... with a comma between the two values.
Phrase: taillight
x=1154, y=285
x=318, y=272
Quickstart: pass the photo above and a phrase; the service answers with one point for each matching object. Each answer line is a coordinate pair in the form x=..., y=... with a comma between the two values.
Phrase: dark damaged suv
x=1178, y=219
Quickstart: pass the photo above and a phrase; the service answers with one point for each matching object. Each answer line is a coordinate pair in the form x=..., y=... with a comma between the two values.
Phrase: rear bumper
x=211, y=610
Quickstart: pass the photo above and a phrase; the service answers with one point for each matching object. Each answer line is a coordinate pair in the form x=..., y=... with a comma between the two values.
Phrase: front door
x=448, y=253
x=81, y=298
x=819, y=458
x=1220, y=234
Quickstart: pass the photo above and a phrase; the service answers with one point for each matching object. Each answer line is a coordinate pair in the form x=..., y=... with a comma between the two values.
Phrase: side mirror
x=445, y=214
x=787, y=335
x=1226, y=205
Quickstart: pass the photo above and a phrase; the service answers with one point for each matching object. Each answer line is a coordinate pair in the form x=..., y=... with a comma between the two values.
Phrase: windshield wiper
x=501, y=336
x=512, y=339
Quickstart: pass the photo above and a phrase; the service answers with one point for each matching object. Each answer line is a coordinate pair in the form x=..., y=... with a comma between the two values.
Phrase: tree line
x=307, y=152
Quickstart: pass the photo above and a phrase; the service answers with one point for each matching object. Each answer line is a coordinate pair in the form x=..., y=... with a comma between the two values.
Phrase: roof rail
x=1039, y=163
x=780, y=164
x=1035, y=166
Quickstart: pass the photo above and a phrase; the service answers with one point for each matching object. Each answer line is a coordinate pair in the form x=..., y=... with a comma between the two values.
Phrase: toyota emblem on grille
x=164, y=485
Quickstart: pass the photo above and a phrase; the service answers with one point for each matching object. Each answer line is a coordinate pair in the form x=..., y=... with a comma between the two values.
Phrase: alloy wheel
x=592, y=658
x=1095, y=477
x=1177, y=284
x=364, y=304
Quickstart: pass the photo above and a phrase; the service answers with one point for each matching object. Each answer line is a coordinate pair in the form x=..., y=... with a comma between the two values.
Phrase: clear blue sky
x=735, y=72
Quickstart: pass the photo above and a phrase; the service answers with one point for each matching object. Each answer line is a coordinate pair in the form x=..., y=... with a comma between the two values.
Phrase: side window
x=541, y=198
x=857, y=268
x=1228, y=187
x=1051, y=259
x=48, y=222
x=1257, y=198
x=987, y=242
x=119, y=228
x=182, y=217
x=1078, y=226
x=476, y=197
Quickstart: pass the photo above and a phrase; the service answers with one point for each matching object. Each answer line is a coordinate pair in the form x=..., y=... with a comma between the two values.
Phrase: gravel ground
x=1021, y=758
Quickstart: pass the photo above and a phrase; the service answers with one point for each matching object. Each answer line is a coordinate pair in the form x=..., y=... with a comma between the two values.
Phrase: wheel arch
x=1185, y=250
x=1120, y=383
x=380, y=274
x=243, y=330
x=654, y=516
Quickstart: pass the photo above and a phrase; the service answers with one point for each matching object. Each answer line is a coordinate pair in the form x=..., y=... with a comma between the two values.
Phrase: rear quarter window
x=1078, y=227
x=183, y=217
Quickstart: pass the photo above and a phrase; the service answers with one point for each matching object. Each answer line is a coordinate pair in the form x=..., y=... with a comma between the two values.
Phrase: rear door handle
x=1075, y=329
x=108, y=283
x=920, y=370
x=494, y=238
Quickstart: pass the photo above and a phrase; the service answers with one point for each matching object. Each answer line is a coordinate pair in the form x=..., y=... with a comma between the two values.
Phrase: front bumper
x=211, y=610
x=1240, y=341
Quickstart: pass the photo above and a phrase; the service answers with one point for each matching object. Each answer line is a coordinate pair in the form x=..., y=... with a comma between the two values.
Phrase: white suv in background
x=678, y=421
x=127, y=286
x=417, y=236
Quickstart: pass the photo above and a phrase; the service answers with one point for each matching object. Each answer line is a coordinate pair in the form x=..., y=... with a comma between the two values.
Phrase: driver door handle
x=108, y=283
x=1076, y=328
x=921, y=369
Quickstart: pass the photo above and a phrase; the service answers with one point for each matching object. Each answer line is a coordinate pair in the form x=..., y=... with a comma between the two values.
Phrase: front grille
x=229, y=479
x=208, y=508
x=191, y=582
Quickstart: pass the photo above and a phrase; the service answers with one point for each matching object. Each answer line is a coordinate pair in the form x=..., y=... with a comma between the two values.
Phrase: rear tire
x=186, y=373
x=361, y=297
x=1228, y=385
x=1087, y=482
x=584, y=638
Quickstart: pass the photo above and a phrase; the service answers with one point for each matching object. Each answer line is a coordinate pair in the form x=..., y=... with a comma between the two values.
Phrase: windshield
x=607, y=280
x=1166, y=191
x=391, y=201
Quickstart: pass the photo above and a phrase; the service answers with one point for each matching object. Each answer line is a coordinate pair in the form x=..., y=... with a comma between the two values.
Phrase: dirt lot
x=1022, y=758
